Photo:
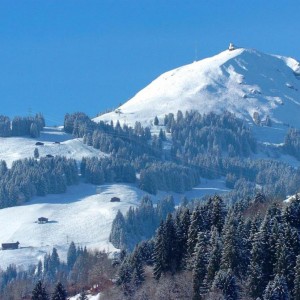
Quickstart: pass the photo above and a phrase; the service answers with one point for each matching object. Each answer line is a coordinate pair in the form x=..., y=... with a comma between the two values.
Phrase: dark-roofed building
x=115, y=199
x=42, y=220
x=10, y=246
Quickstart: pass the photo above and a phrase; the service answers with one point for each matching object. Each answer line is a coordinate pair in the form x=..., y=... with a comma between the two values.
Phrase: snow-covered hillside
x=84, y=214
x=14, y=148
x=242, y=81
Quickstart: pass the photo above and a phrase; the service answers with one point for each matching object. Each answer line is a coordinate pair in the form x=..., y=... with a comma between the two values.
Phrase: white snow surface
x=90, y=297
x=242, y=81
x=14, y=148
x=84, y=214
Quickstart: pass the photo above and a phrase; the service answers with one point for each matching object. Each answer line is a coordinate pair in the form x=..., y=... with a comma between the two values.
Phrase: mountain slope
x=242, y=81
x=56, y=142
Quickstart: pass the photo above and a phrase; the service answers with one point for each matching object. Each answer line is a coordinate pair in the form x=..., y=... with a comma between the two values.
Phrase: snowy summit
x=255, y=86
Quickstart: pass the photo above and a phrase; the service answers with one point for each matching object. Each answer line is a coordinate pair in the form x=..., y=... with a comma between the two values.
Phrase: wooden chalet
x=10, y=246
x=42, y=220
x=115, y=199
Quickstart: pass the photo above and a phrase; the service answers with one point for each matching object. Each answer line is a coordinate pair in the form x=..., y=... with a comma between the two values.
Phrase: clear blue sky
x=59, y=56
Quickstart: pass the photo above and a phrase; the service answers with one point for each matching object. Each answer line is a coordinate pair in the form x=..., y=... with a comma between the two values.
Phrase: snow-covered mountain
x=242, y=81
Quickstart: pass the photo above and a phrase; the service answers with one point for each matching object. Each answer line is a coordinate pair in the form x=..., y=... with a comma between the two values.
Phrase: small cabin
x=231, y=47
x=49, y=156
x=115, y=199
x=39, y=144
x=10, y=246
x=42, y=220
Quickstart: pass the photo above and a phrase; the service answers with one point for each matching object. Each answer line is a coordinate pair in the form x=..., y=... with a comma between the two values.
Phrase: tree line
x=225, y=252
x=30, y=177
x=22, y=126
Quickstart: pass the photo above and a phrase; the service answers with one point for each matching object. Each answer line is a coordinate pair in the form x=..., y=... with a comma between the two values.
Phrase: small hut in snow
x=42, y=220
x=231, y=47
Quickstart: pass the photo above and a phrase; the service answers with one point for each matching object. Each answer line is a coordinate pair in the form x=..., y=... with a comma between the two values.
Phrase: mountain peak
x=243, y=81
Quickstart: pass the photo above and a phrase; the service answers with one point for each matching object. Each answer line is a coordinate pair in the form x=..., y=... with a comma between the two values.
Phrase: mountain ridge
x=243, y=81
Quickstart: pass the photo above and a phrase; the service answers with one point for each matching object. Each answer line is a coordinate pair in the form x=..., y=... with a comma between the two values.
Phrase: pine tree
x=230, y=254
x=296, y=290
x=258, y=275
x=285, y=260
x=199, y=266
x=214, y=258
x=83, y=296
x=39, y=292
x=59, y=293
x=34, y=131
x=159, y=255
x=194, y=228
x=225, y=281
x=156, y=122
x=218, y=213
x=118, y=231
x=138, y=269
x=36, y=153
x=71, y=255
x=277, y=289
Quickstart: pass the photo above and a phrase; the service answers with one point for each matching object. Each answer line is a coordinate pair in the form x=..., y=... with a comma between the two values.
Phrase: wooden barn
x=42, y=220
x=115, y=199
x=10, y=246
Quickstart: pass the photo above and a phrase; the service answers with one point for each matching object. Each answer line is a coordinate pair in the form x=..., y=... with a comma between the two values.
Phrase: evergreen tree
x=277, y=289
x=196, y=220
x=138, y=269
x=36, y=153
x=83, y=296
x=296, y=290
x=71, y=255
x=159, y=255
x=39, y=292
x=214, y=258
x=118, y=231
x=34, y=130
x=225, y=281
x=199, y=266
x=218, y=213
x=156, y=122
x=231, y=258
x=258, y=274
x=59, y=293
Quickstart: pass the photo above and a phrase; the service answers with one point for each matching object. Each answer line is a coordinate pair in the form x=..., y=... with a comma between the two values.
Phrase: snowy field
x=83, y=214
x=13, y=148
x=89, y=297
x=80, y=215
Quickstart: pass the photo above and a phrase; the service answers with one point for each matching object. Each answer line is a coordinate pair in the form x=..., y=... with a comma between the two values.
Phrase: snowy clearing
x=83, y=214
x=14, y=148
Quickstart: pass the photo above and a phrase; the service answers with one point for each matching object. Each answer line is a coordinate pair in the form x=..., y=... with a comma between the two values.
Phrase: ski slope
x=13, y=148
x=242, y=81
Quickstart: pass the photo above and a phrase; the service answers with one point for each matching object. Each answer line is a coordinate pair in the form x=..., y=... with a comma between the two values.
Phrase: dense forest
x=202, y=250
x=187, y=147
x=22, y=126
x=31, y=177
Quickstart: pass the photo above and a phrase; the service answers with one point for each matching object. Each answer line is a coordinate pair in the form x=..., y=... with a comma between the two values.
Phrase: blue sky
x=59, y=56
